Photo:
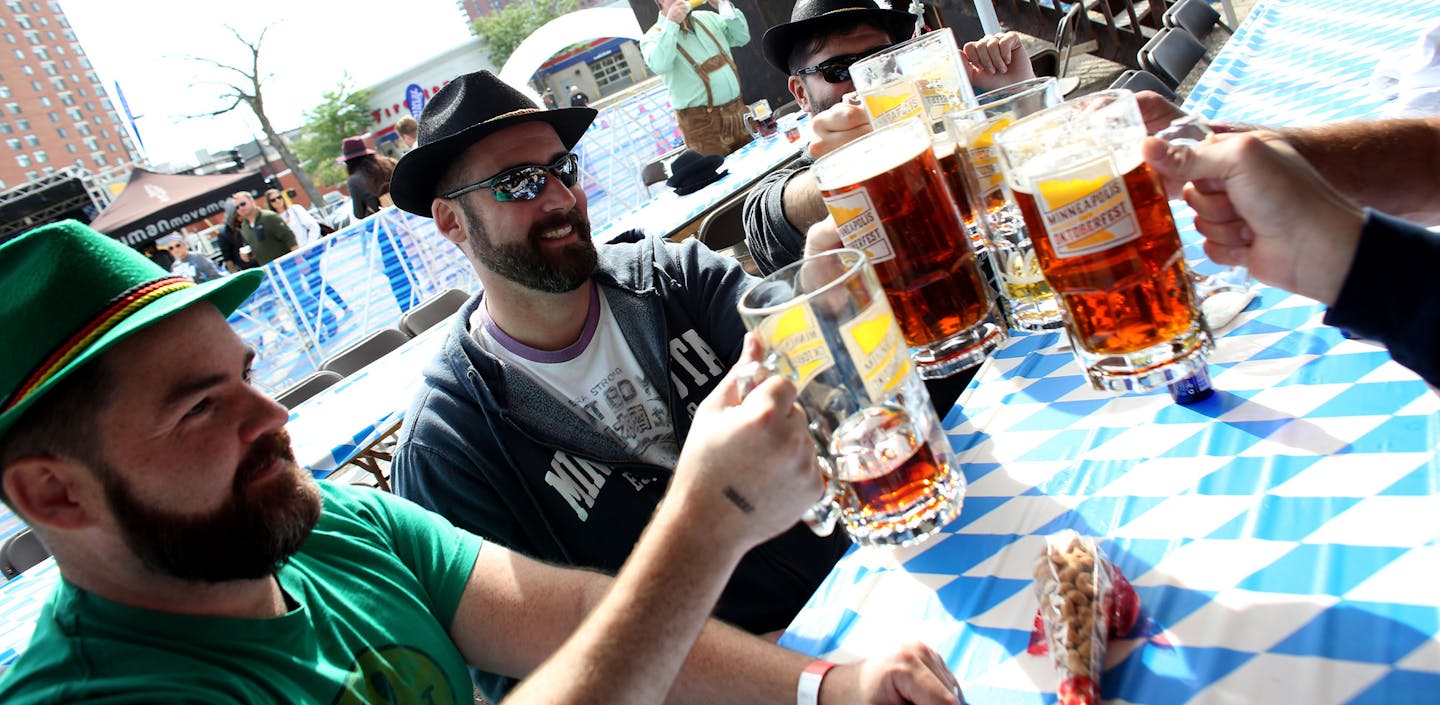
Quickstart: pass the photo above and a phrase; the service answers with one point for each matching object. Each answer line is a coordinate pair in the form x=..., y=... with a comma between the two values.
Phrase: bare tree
x=245, y=90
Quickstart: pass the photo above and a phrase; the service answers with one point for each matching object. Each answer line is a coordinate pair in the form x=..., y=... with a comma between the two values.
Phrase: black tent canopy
x=153, y=205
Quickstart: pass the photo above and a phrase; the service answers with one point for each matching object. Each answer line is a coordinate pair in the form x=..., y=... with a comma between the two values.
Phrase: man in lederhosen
x=691, y=51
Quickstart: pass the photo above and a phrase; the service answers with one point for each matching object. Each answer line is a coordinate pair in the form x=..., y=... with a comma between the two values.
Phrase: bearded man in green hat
x=200, y=563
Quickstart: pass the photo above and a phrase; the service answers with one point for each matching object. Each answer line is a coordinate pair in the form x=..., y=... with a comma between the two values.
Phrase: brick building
x=54, y=112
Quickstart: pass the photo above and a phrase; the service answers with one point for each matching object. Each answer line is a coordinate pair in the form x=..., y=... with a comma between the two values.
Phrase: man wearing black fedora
x=199, y=563
x=551, y=420
x=815, y=49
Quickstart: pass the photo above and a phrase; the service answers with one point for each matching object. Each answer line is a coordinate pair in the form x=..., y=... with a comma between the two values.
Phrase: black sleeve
x=1392, y=293
x=772, y=241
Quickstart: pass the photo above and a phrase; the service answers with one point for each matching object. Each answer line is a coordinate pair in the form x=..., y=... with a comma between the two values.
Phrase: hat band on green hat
x=122, y=308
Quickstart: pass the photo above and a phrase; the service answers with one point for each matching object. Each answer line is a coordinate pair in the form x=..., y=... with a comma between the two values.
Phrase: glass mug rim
x=1085, y=103
x=784, y=274
x=1012, y=93
x=914, y=122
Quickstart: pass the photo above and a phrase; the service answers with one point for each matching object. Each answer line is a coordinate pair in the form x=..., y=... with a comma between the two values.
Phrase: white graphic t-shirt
x=598, y=376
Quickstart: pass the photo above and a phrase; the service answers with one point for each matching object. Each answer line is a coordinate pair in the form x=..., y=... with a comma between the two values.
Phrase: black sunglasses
x=524, y=183
x=836, y=69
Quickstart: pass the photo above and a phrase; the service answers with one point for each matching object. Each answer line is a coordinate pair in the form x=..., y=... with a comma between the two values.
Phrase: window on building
x=44, y=21
x=4, y=91
x=111, y=147
x=105, y=103
x=54, y=117
x=57, y=83
x=79, y=163
x=69, y=147
x=32, y=141
x=90, y=75
x=44, y=101
x=104, y=134
x=50, y=69
x=70, y=35
x=31, y=176
x=22, y=124
x=41, y=52
x=67, y=99
x=74, y=114
x=6, y=129
x=91, y=144
x=610, y=69
x=81, y=91
x=33, y=37
x=35, y=7
x=23, y=21
x=14, y=108
x=15, y=6
x=62, y=133
x=51, y=36
x=65, y=63
x=99, y=158
x=28, y=70
x=13, y=143
x=48, y=170
x=84, y=62
x=9, y=37
x=41, y=157
x=89, y=107
x=20, y=53
x=82, y=128
x=37, y=86
x=23, y=160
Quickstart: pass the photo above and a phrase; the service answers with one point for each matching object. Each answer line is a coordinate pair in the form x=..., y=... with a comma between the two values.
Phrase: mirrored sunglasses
x=836, y=69
x=525, y=183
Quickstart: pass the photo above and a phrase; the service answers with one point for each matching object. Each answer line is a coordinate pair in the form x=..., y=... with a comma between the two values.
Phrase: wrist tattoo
x=740, y=502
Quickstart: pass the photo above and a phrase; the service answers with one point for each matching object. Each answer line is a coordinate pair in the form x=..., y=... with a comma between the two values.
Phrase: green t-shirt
x=376, y=587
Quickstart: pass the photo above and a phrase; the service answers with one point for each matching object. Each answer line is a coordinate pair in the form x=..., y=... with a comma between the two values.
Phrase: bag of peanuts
x=1084, y=600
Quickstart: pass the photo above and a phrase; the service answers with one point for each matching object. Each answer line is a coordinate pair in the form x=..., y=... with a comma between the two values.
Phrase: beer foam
x=870, y=156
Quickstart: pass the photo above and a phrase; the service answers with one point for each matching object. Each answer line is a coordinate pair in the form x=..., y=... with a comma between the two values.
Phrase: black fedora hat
x=692, y=171
x=466, y=110
x=810, y=17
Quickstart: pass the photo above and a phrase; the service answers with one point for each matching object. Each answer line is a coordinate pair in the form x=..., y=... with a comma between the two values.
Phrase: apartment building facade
x=54, y=110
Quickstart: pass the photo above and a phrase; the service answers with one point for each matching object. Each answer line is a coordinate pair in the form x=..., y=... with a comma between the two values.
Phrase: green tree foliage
x=342, y=113
x=504, y=30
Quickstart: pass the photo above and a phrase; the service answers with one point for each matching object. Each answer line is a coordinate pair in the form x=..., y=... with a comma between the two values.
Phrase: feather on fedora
x=466, y=110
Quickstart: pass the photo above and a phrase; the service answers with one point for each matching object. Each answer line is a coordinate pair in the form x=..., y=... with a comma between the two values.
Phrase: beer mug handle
x=822, y=516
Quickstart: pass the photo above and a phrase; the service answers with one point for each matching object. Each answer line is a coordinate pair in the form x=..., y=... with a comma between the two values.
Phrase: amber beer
x=1102, y=233
x=886, y=472
x=886, y=194
x=1148, y=300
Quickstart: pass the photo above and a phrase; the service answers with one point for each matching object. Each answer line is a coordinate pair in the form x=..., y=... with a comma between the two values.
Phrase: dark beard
x=247, y=538
x=525, y=264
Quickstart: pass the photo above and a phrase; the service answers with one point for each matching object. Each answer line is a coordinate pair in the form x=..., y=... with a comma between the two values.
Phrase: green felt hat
x=71, y=293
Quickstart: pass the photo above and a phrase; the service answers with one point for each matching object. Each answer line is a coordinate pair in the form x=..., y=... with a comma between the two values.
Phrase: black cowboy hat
x=692, y=171
x=809, y=17
x=466, y=110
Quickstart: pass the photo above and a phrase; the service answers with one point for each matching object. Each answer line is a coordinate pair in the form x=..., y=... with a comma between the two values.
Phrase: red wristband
x=809, y=691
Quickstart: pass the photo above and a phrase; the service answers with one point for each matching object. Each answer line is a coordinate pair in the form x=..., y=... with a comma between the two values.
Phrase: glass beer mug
x=891, y=475
x=1102, y=230
x=887, y=195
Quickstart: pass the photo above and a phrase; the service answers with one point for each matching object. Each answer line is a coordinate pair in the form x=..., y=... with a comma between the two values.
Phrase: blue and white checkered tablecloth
x=666, y=212
x=21, y=599
x=332, y=427
x=1282, y=535
x=1305, y=62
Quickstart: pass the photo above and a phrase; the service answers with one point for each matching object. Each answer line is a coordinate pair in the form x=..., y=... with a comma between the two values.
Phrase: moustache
x=262, y=454
x=572, y=217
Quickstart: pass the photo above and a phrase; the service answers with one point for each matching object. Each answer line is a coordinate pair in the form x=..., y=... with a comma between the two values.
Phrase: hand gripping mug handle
x=822, y=515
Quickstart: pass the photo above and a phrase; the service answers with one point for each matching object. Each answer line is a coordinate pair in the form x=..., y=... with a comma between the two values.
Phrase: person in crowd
x=1261, y=205
x=1351, y=156
x=552, y=418
x=264, y=231
x=690, y=50
x=190, y=266
x=815, y=49
x=409, y=130
x=369, y=177
x=548, y=99
x=299, y=220
x=577, y=98
x=200, y=563
x=229, y=240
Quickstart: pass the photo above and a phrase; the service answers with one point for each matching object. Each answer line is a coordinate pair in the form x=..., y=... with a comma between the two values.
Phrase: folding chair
x=1194, y=16
x=432, y=311
x=1144, y=81
x=367, y=350
x=21, y=552
x=315, y=383
x=723, y=230
x=1171, y=54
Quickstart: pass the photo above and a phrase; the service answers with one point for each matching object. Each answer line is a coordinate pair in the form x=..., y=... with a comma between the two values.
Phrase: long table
x=670, y=216
x=1283, y=536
